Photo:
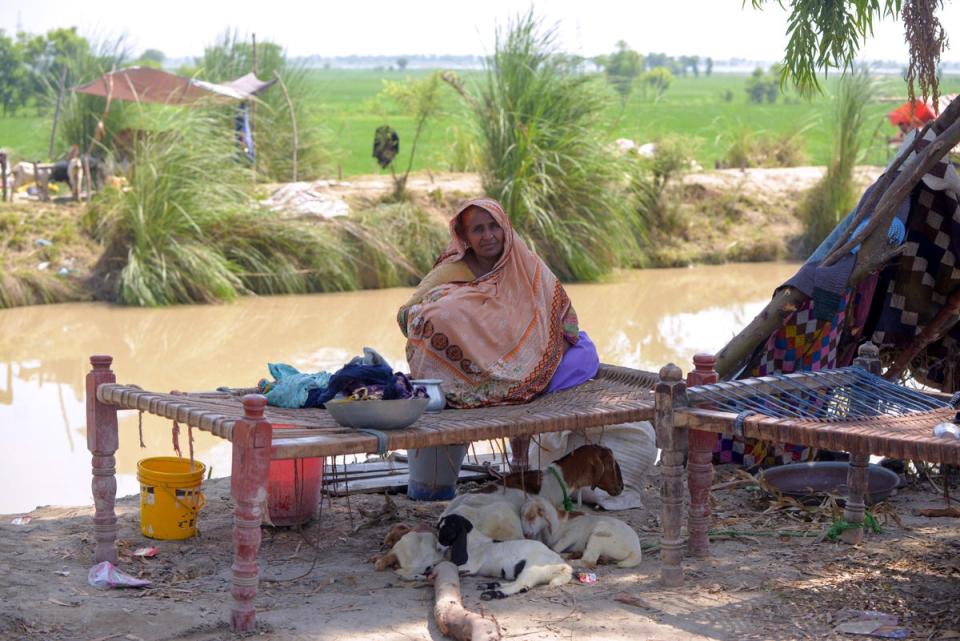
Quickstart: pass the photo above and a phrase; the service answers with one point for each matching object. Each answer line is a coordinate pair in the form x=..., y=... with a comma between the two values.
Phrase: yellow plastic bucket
x=170, y=497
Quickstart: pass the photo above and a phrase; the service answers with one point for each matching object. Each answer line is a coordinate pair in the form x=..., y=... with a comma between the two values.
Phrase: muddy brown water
x=641, y=319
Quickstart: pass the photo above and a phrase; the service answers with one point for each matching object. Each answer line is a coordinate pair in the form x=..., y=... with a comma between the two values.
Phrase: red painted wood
x=248, y=484
x=102, y=441
x=700, y=465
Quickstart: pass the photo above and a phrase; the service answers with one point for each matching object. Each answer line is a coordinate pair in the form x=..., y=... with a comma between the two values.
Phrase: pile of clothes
x=367, y=377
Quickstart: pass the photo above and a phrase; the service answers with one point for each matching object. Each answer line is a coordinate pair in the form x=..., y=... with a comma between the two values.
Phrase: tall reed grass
x=833, y=196
x=543, y=156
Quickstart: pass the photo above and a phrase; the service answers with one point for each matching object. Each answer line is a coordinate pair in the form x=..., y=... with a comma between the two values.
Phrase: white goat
x=524, y=563
x=594, y=536
x=415, y=554
x=499, y=519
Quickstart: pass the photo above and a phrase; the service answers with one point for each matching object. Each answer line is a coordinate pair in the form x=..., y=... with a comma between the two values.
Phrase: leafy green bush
x=832, y=197
x=544, y=159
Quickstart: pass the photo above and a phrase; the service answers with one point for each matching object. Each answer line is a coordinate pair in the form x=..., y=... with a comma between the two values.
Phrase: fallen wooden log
x=453, y=620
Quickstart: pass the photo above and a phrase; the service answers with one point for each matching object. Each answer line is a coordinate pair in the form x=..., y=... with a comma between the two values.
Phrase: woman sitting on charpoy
x=490, y=320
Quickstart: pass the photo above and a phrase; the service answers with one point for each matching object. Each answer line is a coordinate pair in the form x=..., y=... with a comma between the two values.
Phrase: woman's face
x=482, y=233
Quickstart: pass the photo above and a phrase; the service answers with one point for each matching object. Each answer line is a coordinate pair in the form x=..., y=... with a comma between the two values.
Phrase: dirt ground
x=318, y=583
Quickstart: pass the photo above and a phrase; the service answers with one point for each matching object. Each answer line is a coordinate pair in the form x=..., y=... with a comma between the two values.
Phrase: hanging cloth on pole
x=243, y=132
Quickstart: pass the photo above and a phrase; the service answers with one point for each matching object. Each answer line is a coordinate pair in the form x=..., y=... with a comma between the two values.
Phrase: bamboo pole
x=101, y=124
x=875, y=250
x=253, y=113
x=293, y=121
x=56, y=111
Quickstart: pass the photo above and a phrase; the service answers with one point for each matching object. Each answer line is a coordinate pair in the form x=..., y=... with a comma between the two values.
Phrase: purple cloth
x=578, y=365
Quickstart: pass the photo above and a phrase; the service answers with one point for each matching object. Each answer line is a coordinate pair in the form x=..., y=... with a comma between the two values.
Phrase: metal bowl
x=810, y=482
x=377, y=415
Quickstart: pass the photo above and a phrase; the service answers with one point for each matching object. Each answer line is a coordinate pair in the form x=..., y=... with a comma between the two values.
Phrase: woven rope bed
x=616, y=395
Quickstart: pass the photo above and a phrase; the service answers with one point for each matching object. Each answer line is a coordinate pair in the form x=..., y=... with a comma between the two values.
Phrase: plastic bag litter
x=107, y=575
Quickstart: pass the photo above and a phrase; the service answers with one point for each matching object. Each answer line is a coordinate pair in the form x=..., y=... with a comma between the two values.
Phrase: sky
x=722, y=29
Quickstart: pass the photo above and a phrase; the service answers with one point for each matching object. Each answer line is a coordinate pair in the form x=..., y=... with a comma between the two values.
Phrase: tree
x=658, y=79
x=402, y=63
x=14, y=81
x=152, y=58
x=708, y=66
x=827, y=34
x=622, y=68
x=421, y=99
x=695, y=65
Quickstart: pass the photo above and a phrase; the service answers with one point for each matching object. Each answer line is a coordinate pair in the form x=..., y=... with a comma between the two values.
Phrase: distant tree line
x=654, y=72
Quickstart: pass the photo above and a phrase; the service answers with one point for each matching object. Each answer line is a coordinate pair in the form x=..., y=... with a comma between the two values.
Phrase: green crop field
x=714, y=110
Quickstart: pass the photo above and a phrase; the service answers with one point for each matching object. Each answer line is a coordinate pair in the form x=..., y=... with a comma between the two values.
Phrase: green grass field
x=694, y=107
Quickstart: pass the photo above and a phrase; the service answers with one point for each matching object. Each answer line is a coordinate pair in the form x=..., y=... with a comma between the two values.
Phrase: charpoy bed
x=615, y=395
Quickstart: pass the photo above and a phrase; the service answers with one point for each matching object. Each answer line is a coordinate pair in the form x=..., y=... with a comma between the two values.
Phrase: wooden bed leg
x=248, y=484
x=671, y=393
x=868, y=358
x=700, y=465
x=519, y=450
x=856, y=492
x=102, y=441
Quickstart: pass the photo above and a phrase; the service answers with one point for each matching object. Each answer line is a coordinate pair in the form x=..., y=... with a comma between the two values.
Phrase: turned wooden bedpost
x=868, y=358
x=519, y=451
x=248, y=483
x=102, y=441
x=700, y=465
x=671, y=393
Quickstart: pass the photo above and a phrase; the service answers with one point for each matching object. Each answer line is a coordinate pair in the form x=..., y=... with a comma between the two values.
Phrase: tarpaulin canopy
x=144, y=84
x=914, y=115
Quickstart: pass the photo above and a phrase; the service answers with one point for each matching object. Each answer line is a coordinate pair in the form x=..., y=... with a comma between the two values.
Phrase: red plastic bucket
x=293, y=488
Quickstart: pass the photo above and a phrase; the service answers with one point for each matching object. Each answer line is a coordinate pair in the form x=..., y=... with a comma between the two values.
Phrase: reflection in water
x=642, y=319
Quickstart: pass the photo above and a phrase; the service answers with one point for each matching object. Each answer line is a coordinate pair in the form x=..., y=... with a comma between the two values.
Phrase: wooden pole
x=293, y=122
x=700, y=465
x=103, y=441
x=671, y=394
x=868, y=358
x=453, y=620
x=253, y=113
x=3, y=174
x=101, y=124
x=56, y=111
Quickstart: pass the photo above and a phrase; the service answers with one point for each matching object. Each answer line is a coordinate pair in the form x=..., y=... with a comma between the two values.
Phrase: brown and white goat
x=592, y=535
x=413, y=554
x=589, y=466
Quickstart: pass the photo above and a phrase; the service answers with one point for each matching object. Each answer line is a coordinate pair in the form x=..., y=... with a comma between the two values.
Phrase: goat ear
x=458, y=551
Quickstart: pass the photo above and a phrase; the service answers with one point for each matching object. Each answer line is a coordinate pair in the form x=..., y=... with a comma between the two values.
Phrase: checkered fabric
x=802, y=344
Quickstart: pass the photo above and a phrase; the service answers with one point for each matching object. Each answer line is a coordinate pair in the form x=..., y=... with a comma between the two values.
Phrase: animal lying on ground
x=500, y=519
x=595, y=536
x=590, y=466
x=413, y=555
x=396, y=532
x=523, y=563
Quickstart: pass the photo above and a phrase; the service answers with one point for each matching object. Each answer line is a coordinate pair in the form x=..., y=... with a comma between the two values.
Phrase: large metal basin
x=378, y=415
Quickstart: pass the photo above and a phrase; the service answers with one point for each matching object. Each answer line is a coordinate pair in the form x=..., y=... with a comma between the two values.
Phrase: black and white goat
x=499, y=519
x=595, y=536
x=523, y=563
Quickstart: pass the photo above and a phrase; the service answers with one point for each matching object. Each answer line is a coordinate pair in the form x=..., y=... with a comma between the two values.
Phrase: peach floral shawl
x=497, y=339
